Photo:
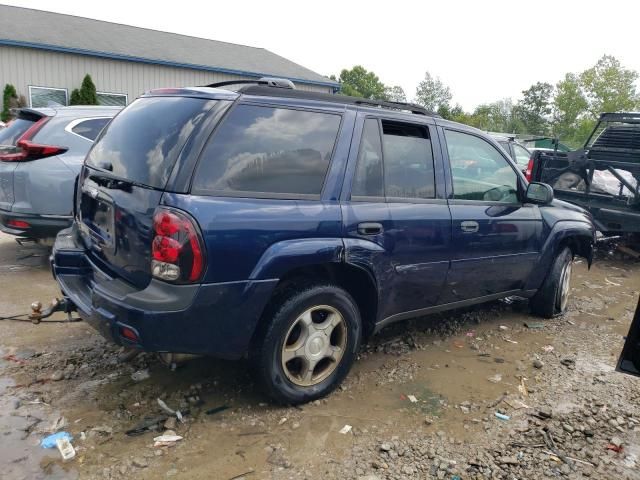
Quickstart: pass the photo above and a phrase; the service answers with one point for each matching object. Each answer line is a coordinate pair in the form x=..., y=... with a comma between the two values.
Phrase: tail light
x=18, y=224
x=177, y=249
x=26, y=150
x=529, y=171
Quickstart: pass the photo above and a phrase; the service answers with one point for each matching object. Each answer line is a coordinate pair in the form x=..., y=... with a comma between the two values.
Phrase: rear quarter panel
x=239, y=232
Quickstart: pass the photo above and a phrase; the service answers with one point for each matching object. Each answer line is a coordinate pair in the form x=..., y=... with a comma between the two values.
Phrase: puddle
x=21, y=457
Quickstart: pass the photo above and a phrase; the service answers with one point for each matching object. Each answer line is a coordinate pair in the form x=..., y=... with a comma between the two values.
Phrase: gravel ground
x=422, y=401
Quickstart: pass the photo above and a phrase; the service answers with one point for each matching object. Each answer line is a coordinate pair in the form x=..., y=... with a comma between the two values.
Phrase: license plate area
x=97, y=218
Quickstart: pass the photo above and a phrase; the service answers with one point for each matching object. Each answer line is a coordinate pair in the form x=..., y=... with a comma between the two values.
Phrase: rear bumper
x=40, y=226
x=209, y=319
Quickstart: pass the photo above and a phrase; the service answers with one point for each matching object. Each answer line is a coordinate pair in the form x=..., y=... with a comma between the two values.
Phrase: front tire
x=308, y=345
x=552, y=298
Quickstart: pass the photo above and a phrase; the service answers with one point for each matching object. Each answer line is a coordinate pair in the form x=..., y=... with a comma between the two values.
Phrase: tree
x=87, y=94
x=75, y=99
x=535, y=108
x=432, y=94
x=358, y=82
x=8, y=97
x=609, y=87
x=395, y=94
x=569, y=107
x=496, y=117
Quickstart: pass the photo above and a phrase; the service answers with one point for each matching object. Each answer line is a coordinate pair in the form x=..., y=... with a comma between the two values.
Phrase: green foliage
x=535, y=108
x=567, y=110
x=569, y=107
x=75, y=99
x=395, y=94
x=609, y=87
x=432, y=94
x=358, y=82
x=87, y=94
x=8, y=97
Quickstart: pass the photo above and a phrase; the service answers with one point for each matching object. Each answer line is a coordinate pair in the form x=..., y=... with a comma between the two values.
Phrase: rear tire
x=551, y=299
x=308, y=344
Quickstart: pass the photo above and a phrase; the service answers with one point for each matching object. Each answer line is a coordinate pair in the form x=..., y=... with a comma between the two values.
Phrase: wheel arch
x=355, y=280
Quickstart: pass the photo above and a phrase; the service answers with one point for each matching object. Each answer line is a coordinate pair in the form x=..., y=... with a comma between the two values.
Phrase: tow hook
x=56, y=305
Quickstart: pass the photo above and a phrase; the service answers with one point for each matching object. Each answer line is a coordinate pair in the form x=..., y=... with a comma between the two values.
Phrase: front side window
x=268, y=150
x=479, y=171
x=408, y=161
x=112, y=99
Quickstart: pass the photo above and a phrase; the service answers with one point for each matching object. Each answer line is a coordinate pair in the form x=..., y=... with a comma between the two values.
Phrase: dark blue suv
x=287, y=226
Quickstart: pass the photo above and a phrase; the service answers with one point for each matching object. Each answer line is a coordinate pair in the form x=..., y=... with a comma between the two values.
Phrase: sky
x=483, y=50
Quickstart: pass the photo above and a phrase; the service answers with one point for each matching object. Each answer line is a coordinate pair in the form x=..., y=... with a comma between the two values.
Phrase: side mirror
x=539, y=193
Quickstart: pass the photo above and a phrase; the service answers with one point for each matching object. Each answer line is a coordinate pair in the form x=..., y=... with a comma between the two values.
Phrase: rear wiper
x=112, y=183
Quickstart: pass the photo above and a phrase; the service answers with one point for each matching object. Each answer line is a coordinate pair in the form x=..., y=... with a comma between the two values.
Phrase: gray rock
x=385, y=447
x=140, y=462
x=538, y=364
x=616, y=442
x=508, y=460
x=545, y=412
x=568, y=428
x=57, y=375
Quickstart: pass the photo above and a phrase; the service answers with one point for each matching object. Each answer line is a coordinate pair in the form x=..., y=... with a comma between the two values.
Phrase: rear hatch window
x=142, y=145
x=10, y=135
x=124, y=177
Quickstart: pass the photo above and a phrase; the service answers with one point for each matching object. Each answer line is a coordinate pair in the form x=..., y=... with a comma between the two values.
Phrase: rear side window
x=522, y=155
x=143, y=143
x=90, y=129
x=368, y=180
x=268, y=150
x=408, y=161
x=17, y=128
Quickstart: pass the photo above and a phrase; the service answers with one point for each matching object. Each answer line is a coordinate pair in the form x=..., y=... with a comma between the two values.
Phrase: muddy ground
x=570, y=414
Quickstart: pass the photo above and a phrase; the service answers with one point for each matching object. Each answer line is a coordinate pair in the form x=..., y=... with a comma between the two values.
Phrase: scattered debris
x=167, y=439
x=502, y=416
x=497, y=378
x=412, y=398
x=213, y=411
x=140, y=375
x=146, y=425
x=568, y=362
x=346, y=429
x=65, y=448
x=282, y=421
x=50, y=441
x=548, y=348
x=534, y=325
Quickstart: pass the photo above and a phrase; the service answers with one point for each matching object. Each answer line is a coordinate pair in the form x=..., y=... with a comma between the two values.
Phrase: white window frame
x=66, y=94
x=126, y=97
x=69, y=128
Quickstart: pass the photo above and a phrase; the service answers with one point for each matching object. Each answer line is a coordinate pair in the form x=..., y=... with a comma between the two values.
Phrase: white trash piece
x=65, y=448
x=346, y=429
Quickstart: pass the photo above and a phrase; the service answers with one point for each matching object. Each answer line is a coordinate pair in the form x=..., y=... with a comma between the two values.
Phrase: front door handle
x=370, y=228
x=469, y=226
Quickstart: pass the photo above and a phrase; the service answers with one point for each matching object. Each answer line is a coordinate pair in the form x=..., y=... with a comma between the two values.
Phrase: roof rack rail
x=262, y=90
x=411, y=107
x=268, y=81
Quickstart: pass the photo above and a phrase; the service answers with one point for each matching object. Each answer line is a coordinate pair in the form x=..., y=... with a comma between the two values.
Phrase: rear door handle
x=469, y=226
x=370, y=228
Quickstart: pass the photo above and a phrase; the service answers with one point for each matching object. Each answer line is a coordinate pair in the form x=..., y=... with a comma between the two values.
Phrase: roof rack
x=260, y=90
x=268, y=81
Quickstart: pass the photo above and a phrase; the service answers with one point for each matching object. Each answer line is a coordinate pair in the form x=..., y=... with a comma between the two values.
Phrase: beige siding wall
x=26, y=66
